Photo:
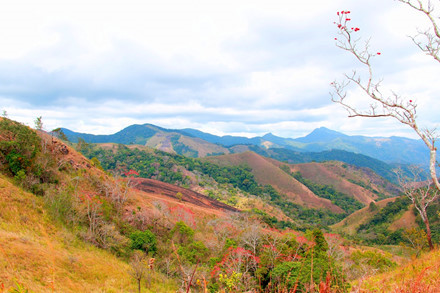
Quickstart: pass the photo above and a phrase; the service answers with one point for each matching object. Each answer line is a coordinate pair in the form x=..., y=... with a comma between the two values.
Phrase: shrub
x=371, y=260
x=182, y=233
x=144, y=240
x=194, y=252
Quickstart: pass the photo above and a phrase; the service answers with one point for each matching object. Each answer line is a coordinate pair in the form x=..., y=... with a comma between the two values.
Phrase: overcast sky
x=224, y=67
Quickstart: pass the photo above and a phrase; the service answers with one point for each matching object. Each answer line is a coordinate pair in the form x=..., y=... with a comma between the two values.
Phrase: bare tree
x=379, y=104
x=430, y=43
x=251, y=236
x=422, y=194
x=416, y=238
x=138, y=267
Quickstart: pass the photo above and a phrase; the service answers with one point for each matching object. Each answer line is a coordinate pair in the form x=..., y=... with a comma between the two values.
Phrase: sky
x=236, y=67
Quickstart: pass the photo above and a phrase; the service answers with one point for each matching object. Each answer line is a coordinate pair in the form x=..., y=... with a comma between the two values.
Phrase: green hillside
x=386, y=221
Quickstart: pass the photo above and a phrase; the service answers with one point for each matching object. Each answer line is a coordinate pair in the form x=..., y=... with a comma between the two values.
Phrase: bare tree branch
x=404, y=110
x=421, y=194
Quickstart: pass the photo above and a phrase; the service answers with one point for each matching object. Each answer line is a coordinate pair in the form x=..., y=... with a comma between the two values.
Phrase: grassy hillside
x=330, y=188
x=387, y=222
x=39, y=254
x=364, y=187
x=350, y=224
x=419, y=275
x=176, y=143
x=347, y=186
x=234, y=185
x=295, y=157
x=267, y=172
x=62, y=227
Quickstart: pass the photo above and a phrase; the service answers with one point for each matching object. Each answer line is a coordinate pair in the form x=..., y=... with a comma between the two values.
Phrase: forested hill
x=304, y=202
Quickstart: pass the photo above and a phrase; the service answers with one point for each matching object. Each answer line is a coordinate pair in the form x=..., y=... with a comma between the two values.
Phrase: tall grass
x=40, y=256
x=419, y=275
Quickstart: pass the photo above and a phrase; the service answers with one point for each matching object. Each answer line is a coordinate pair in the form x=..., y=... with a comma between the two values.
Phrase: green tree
x=182, y=233
x=194, y=252
x=321, y=245
x=38, y=123
x=19, y=146
x=372, y=207
x=144, y=240
x=58, y=132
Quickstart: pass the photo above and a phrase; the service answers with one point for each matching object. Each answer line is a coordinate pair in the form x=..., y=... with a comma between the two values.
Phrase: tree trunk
x=428, y=233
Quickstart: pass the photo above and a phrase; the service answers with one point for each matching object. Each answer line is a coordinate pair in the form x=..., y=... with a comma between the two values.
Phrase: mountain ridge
x=391, y=150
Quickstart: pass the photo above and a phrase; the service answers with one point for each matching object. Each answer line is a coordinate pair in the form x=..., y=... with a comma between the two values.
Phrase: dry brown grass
x=267, y=171
x=420, y=275
x=335, y=175
x=350, y=224
x=406, y=221
x=202, y=147
x=42, y=257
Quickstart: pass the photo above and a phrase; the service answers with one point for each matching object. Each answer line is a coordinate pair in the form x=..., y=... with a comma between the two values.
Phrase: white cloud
x=248, y=67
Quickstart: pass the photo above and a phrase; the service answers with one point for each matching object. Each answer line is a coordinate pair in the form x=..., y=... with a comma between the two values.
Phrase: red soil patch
x=151, y=186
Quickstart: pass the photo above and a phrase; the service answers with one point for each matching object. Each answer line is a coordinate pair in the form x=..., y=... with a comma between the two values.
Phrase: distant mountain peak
x=270, y=135
x=321, y=134
x=323, y=129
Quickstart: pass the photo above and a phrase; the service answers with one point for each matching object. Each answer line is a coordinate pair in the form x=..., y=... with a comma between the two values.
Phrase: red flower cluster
x=343, y=18
x=183, y=213
x=233, y=261
x=131, y=173
x=343, y=12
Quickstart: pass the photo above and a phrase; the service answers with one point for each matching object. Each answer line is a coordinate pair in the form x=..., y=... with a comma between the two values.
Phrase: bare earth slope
x=151, y=186
x=170, y=142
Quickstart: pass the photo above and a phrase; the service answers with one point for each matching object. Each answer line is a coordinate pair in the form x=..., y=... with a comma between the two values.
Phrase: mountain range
x=388, y=149
x=382, y=154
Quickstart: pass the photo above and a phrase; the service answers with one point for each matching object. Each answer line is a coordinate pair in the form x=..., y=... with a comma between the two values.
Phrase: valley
x=194, y=217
